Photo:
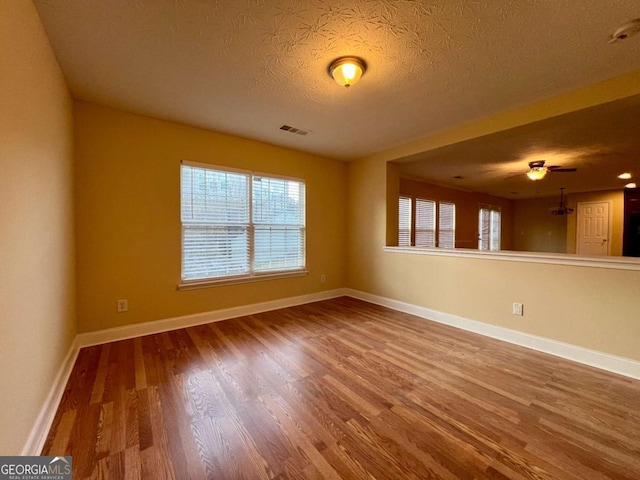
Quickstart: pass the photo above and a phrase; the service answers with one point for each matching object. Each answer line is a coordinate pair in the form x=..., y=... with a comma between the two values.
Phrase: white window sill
x=618, y=263
x=192, y=285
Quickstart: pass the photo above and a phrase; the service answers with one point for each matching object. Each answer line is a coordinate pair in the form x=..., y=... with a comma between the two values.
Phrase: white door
x=593, y=228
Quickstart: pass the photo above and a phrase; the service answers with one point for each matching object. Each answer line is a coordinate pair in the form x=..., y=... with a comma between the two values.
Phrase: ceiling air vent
x=290, y=129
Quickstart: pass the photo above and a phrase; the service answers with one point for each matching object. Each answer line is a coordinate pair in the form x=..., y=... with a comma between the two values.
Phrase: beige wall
x=616, y=217
x=590, y=307
x=535, y=229
x=37, y=322
x=128, y=217
x=467, y=208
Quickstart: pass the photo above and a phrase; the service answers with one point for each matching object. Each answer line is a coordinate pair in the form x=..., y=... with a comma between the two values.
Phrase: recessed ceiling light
x=630, y=185
x=625, y=176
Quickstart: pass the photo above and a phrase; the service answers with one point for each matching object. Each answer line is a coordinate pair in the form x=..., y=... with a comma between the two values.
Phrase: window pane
x=210, y=252
x=483, y=229
x=495, y=230
x=489, y=227
x=404, y=222
x=425, y=223
x=214, y=196
x=278, y=248
x=278, y=201
x=446, y=225
x=278, y=216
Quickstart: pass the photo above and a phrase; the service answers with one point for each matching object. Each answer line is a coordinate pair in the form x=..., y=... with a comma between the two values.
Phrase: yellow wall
x=616, y=217
x=467, y=208
x=535, y=229
x=590, y=307
x=37, y=322
x=128, y=217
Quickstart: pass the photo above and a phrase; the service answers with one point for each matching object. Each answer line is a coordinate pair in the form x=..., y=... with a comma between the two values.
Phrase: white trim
x=211, y=166
x=44, y=420
x=256, y=277
x=252, y=173
x=617, y=263
x=158, y=326
x=594, y=358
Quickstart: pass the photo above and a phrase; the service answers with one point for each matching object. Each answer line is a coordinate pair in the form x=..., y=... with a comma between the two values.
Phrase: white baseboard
x=42, y=425
x=158, y=326
x=594, y=358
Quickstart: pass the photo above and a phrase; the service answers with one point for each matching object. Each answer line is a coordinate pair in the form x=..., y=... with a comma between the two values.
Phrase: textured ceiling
x=601, y=142
x=247, y=66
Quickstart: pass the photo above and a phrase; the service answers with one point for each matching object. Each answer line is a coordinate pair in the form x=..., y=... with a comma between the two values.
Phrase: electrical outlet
x=123, y=306
x=518, y=309
x=323, y=278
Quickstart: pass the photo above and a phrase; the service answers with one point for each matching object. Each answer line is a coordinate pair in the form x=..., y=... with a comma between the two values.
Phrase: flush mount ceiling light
x=625, y=176
x=347, y=70
x=630, y=185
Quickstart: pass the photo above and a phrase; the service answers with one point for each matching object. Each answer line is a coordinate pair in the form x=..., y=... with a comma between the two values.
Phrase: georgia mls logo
x=63, y=466
x=35, y=468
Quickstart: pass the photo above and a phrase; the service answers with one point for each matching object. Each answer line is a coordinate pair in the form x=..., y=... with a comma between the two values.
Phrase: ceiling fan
x=537, y=169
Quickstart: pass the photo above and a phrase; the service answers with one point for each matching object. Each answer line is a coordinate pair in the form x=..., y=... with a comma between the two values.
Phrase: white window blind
x=237, y=224
x=425, y=223
x=489, y=227
x=278, y=219
x=446, y=225
x=404, y=221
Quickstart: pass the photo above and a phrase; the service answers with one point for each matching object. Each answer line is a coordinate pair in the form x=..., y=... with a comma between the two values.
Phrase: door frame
x=610, y=226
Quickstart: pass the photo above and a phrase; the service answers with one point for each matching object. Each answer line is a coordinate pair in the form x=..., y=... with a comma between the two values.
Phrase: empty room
x=291, y=239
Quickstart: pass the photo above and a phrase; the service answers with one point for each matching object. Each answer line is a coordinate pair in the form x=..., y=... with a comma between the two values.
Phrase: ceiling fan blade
x=553, y=170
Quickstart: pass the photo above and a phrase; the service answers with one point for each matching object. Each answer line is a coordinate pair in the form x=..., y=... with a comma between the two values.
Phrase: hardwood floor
x=341, y=389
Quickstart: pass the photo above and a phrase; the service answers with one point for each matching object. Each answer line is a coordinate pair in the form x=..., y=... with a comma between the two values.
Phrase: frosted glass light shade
x=537, y=173
x=347, y=70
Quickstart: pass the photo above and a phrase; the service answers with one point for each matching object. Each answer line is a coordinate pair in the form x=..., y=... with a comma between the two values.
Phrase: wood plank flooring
x=341, y=389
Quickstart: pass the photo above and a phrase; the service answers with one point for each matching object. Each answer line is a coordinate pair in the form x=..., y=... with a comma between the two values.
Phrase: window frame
x=434, y=224
x=252, y=275
x=436, y=221
x=491, y=209
x=404, y=233
x=439, y=237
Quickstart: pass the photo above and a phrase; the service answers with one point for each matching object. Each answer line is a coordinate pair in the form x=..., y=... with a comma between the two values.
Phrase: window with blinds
x=239, y=224
x=446, y=225
x=489, y=226
x=404, y=221
x=425, y=223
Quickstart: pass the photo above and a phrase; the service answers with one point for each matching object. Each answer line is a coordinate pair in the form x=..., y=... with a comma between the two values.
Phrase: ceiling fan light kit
x=537, y=170
x=536, y=173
